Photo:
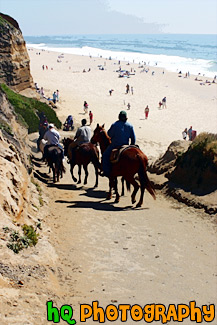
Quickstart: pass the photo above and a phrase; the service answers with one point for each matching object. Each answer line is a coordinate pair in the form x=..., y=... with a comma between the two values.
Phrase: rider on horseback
x=83, y=135
x=120, y=133
x=52, y=136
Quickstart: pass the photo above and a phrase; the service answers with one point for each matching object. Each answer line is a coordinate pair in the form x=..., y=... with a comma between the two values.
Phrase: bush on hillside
x=28, y=110
x=196, y=169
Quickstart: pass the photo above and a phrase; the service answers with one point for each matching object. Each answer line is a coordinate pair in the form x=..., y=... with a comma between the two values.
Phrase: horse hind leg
x=79, y=174
x=117, y=199
x=132, y=181
x=86, y=174
x=71, y=170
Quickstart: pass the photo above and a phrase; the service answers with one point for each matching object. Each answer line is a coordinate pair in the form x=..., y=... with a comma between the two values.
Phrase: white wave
x=170, y=63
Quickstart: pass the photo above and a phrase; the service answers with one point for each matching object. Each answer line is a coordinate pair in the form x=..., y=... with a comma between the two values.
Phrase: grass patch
x=196, y=169
x=28, y=109
x=18, y=242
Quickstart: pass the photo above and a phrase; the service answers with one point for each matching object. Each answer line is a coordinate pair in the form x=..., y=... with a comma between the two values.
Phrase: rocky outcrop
x=167, y=161
x=14, y=59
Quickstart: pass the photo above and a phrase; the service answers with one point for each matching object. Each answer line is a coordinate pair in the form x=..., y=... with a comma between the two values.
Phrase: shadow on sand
x=101, y=205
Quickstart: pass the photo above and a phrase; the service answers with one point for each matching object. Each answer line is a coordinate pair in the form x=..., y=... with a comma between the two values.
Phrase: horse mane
x=106, y=139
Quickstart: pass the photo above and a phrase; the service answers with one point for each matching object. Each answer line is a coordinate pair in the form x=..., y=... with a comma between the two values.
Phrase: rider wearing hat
x=120, y=133
x=52, y=136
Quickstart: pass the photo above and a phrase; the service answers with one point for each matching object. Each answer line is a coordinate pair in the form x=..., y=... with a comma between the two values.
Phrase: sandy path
x=162, y=253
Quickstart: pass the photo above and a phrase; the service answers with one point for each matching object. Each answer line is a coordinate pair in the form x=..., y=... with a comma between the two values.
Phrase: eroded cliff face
x=14, y=59
x=16, y=189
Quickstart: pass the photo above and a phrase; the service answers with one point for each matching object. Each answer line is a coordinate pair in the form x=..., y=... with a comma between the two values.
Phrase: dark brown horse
x=84, y=154
x=55, y=162
x=132, y=161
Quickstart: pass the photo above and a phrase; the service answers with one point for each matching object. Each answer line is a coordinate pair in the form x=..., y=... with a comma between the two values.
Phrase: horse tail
x=144, y=177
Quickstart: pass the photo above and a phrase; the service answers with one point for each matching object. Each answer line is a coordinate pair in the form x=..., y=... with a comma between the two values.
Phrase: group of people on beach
x=190, y=133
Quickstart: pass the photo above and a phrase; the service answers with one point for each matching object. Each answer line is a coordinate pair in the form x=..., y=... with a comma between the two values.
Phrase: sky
x=58, y=17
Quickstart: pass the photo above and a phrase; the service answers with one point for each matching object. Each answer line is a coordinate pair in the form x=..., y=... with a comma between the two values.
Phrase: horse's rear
x=133, y=161
x=55, y=162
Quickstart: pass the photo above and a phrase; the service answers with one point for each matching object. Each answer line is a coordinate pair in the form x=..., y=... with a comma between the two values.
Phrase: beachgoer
x=42, y=91
x=128, y=106
x=82, y=135
x=52, y=136
x=164, y=100
x=146, y=112
x=110, y=91
x=68, y=123
x=127, y=89
x=132, y=90
x=54, y=97
x=91, y=117
x=160, y=104
x=190, y=133
x=85, y=107
x=120, y=133
x=184, y=134
x=58, y=94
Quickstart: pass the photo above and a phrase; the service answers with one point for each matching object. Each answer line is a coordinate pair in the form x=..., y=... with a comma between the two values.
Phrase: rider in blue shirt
x=120, y=133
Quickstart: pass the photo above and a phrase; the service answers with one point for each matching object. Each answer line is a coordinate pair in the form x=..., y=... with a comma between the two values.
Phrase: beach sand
x=188, y=102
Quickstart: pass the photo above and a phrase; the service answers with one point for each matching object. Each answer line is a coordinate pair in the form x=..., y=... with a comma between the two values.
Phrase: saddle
x=116, y=153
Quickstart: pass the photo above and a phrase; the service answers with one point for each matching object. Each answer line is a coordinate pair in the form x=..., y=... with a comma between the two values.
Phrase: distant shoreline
x=187, y=53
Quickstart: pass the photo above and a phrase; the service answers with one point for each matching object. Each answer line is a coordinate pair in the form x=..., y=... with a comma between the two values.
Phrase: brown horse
x=132, y=161
x=84, y=154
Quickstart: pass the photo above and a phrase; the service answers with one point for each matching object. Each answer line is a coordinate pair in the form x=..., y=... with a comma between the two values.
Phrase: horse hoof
x=109, y=196
x=85, y=183
x=95, y=186
x=74, y=179
x=138, y=205
x=117, y=200
x=133, y=201
x=79, y=182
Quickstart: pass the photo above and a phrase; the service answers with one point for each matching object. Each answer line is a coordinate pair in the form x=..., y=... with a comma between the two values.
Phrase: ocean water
x=174, y=52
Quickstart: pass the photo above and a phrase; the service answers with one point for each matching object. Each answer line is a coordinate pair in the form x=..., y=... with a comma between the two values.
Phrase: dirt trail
x=162, y=253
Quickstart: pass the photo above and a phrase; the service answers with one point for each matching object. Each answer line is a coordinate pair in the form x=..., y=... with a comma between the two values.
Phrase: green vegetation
x=196, y=169
x=4, y=126
x=206, y=145
x=18, y=242
x=28, y=109
x=203, y=149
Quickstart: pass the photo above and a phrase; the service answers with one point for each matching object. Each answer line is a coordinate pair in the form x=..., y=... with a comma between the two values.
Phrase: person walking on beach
x=54, y=97
x=164, y=100
x=120, y=133
x=184, y=134
x=110, y=91
x=128, y=106
x=58, y=94
x=127, y=89
x=146, y=112
x=85, y=107
x=91, y=117
x=132, y=90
